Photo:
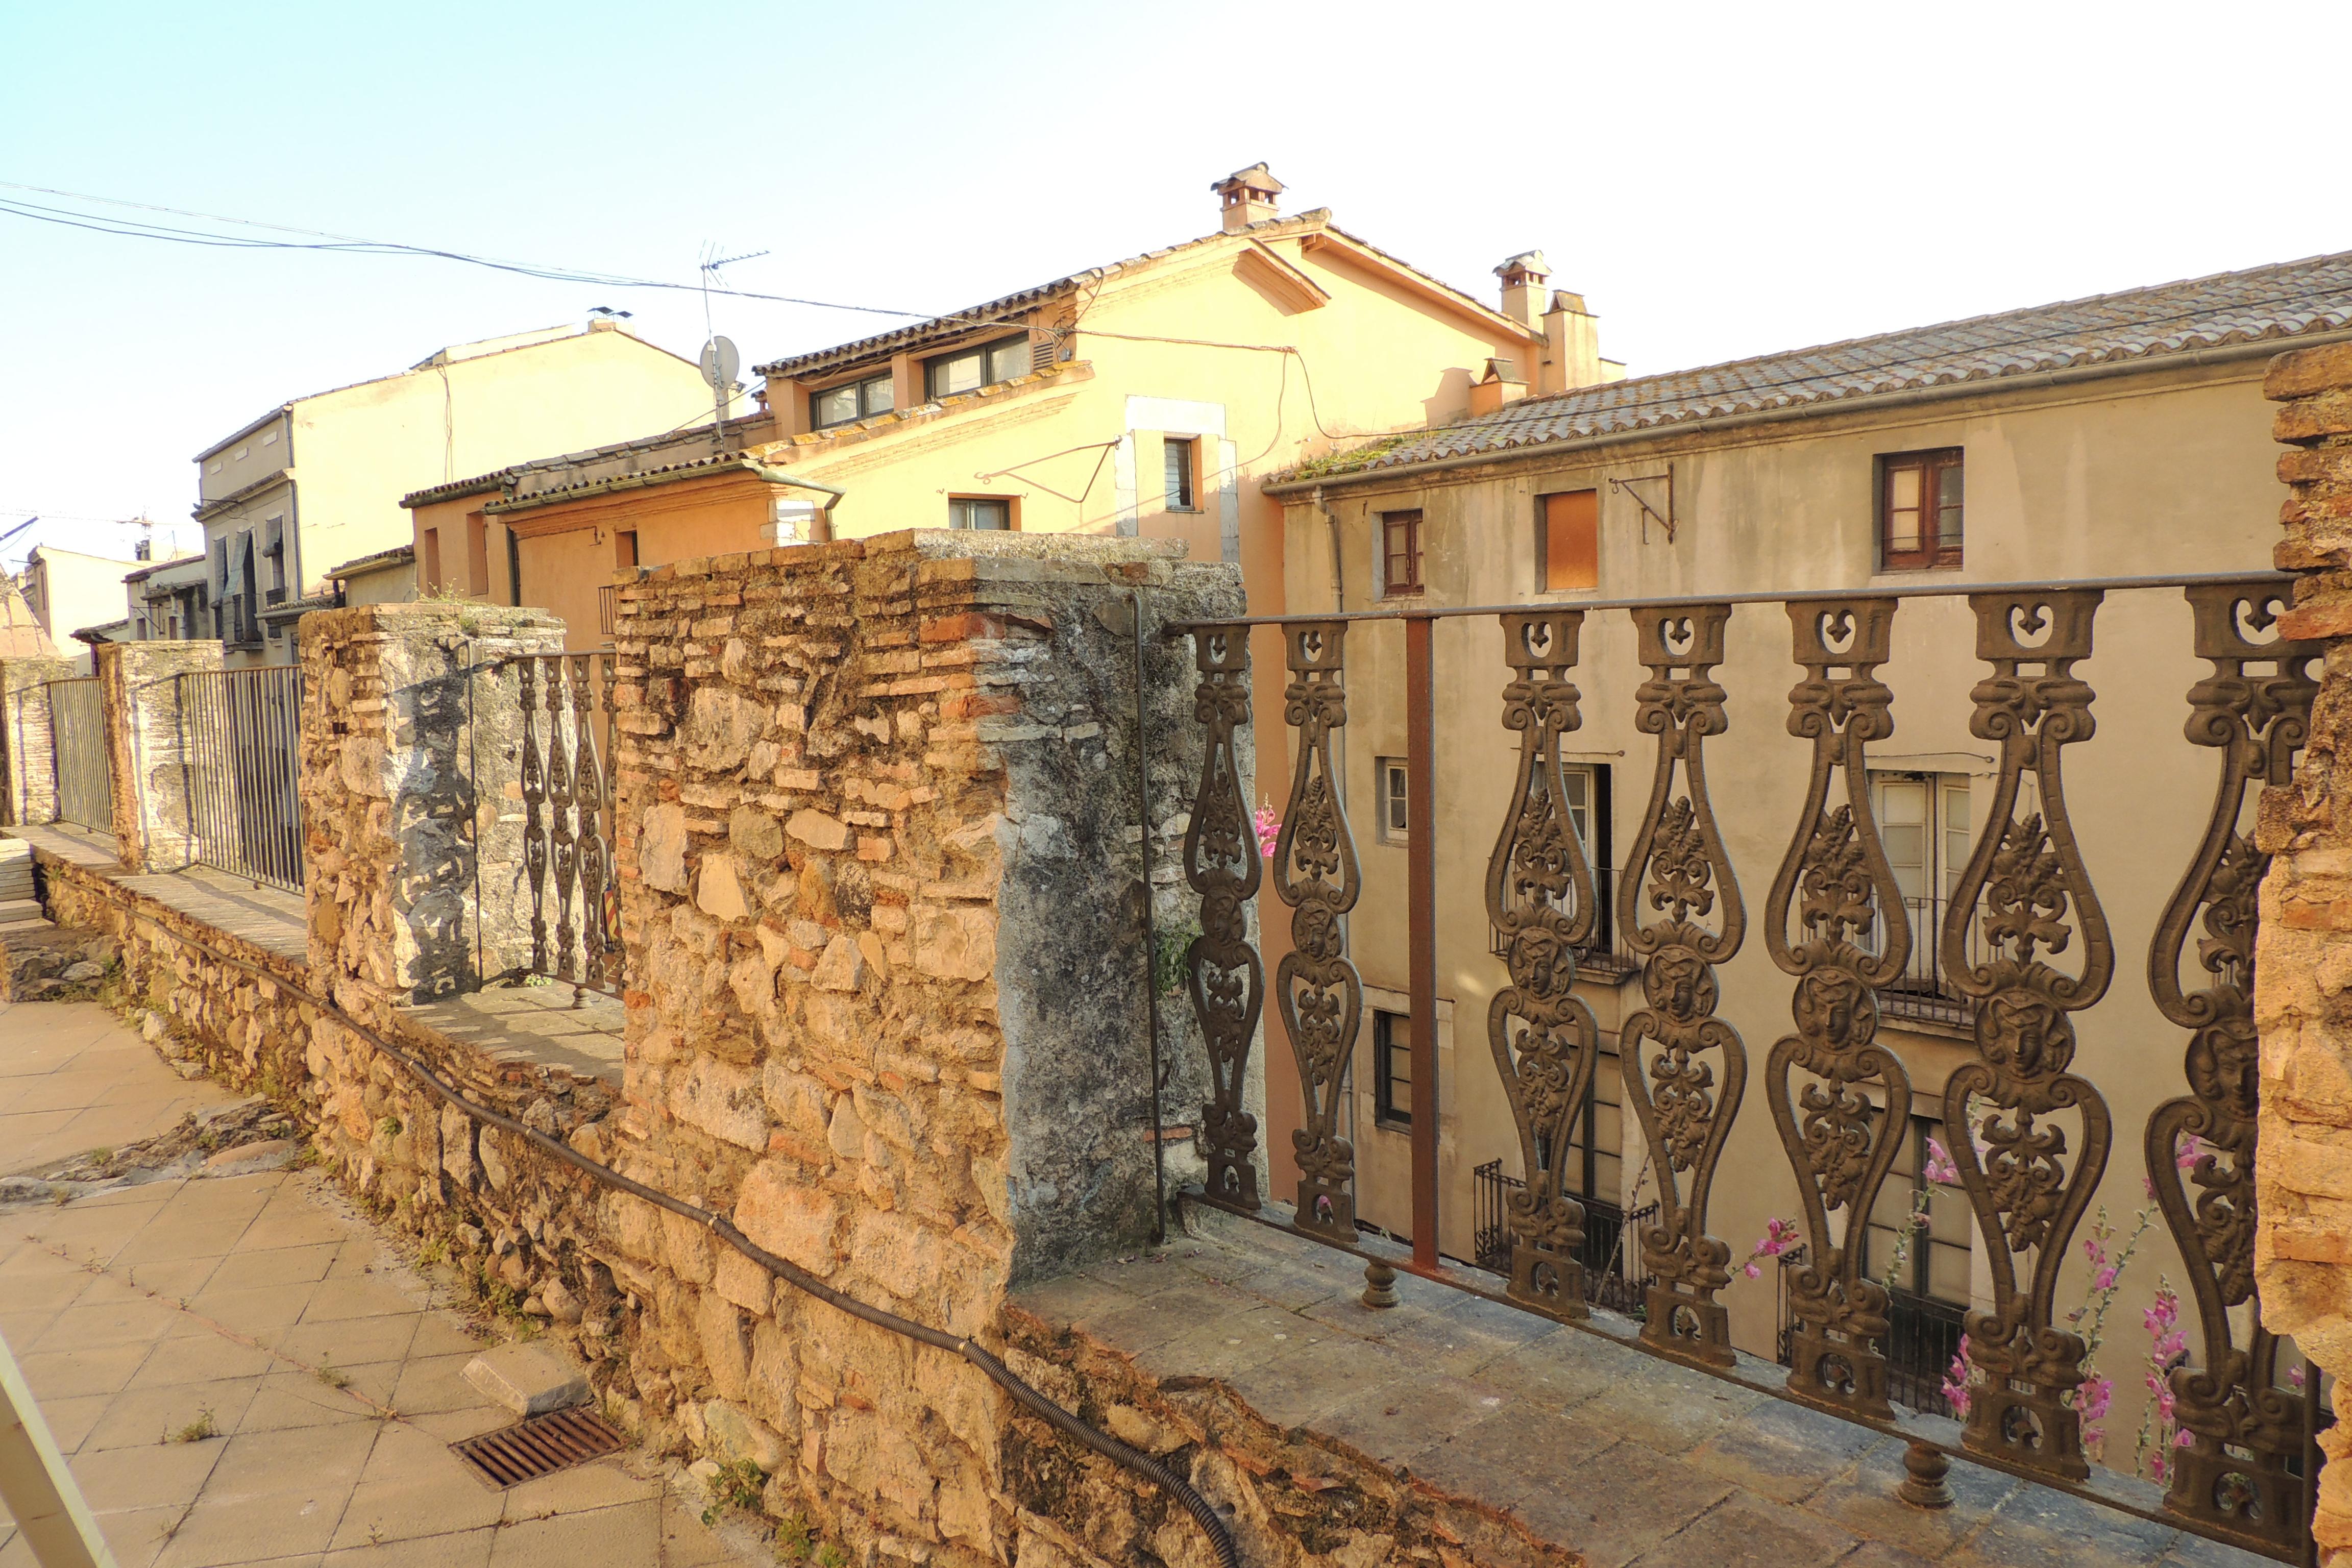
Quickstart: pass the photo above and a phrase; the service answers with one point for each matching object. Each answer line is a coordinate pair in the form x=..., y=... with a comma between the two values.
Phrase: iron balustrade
x=1603, y=1253
x=240, y=738
x=85, y=788
x=568, y=802
x=2021, y=946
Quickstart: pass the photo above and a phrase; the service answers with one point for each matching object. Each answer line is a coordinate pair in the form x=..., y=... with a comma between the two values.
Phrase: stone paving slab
x=270, y=917
x=554, y=1025
x=72, y=1078
x=317, y=1381
x=1629, y=1460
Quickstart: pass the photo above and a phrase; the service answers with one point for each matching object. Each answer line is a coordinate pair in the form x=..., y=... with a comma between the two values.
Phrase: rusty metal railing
x=2020, y=948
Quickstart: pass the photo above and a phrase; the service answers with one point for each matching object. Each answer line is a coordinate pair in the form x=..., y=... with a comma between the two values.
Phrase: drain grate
x=539, y=1445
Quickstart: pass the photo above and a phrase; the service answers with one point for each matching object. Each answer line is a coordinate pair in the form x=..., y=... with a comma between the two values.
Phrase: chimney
x=1502, y=383
x=1248, y=197
x=1524, y=293
x=1572, y=344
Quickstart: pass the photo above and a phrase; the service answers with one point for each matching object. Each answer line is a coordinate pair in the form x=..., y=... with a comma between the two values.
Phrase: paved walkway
x=72, y=1078
x=265, y=1309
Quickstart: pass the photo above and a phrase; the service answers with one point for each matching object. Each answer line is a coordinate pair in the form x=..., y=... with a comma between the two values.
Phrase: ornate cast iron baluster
x=595, y=845
x=616, y=947
x=2025, y=876
x=1539, y=899
x=534, y=821
x=560, y=834
x=1837, y=881
x=2229, y=1403
x=1314, y=873
x=1679, y=867
x=1222, y=864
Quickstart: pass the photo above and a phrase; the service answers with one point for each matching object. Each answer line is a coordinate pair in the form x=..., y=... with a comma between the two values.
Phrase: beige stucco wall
x=2165, y=472
x=69, y=591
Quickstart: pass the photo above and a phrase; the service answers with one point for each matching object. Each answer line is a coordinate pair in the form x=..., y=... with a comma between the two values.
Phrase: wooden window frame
x=1408, y=524
x=862, y=384
x=987, y=351
x=1385, y=1056
x=1179, y=459
x=1935, y=552
x=1386, y=772
x=1012, y=515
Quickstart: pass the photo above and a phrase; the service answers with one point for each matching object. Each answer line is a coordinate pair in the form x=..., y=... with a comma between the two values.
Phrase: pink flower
x=1955, y=1380
x=2294, y=1374
x=1779, y=1234
x=1941, y=1169
x=2105, y=1280
x=1270, y=830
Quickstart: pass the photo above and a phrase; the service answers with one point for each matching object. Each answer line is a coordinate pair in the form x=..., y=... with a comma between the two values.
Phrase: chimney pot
x=1523, y=294
x=1247, y=196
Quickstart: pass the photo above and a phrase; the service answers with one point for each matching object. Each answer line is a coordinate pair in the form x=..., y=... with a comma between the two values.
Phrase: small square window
x=979, y=511
x=1177, y=455
x=1570, y=540
x=1392, y=1069
x=1920, y=497
x=1400, y=553
x=1395, y=804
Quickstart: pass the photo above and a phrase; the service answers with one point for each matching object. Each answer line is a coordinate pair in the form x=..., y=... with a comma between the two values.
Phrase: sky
x=1716, y=181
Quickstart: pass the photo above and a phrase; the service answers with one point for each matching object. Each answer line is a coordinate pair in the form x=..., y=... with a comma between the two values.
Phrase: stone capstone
x=526, y=1380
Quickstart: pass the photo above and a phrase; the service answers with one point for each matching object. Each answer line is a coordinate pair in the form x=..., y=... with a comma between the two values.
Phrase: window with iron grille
x=1177, y=455
x=1392, y=1069
x=850, y=402
x=1400, y=553
x=1919, y=510
x=969, y=369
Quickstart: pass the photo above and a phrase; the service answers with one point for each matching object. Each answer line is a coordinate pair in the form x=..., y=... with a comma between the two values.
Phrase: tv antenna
x=720, y=361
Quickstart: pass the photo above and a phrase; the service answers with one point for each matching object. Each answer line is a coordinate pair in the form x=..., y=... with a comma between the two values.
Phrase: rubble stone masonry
x=2303, y=996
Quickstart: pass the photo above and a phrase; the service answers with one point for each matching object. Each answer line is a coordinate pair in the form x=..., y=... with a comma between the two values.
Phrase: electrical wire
x=1204, y=1513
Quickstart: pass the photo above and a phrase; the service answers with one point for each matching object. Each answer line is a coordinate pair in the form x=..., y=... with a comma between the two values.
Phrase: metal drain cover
x=540, y=1446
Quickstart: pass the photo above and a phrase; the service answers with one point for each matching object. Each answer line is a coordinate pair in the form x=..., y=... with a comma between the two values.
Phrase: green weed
x=195, y=1431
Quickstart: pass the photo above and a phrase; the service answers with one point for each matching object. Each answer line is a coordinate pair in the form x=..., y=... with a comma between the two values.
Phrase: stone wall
x=411, y=831
x=141, y=692
x=2303, y=969
x=881, y=860
x=31, y=777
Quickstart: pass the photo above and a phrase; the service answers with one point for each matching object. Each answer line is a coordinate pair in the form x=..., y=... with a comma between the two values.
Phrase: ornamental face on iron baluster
x=1314, y=873
x=1679, y=909
x=2243, y=1429
x=1849, y=937
x=561, y=835
x=534, y=805
x=1222, y=864
x=2029, y=891
x=1539, y=899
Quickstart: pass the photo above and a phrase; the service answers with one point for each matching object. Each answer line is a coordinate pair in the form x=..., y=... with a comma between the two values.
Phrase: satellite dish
x=719, y=363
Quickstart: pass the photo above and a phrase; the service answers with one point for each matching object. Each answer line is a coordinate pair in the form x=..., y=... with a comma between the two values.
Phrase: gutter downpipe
x=1338, y=578
x=832, y=493
x=2267, y=349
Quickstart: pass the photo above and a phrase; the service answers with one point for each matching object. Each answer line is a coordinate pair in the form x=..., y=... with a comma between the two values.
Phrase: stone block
x=525, y=1379
x=735, y=1434
x=817, y=830
x=661, y=847
x=791, y=1219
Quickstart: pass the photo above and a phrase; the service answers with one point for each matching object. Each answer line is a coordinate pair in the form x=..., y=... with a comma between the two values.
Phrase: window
x=477, y=556
x=849, y=402
x=1569, y=552
x=432, y=562
x=273, y=551
x=979, y=511
x=1919, y=510
x=1935, y=1251
x=1400, y=553
x=514, y=567
x=974, y=367
x=1922, y=820
x=625, y=547
x=1177, y=455
x=1392, y=1069
x=1395, y=816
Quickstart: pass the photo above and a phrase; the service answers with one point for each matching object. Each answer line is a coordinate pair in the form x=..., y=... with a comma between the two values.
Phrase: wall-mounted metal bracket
x=1666, y=518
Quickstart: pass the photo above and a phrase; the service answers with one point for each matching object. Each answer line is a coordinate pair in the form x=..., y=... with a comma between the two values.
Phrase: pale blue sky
x=1717, y=180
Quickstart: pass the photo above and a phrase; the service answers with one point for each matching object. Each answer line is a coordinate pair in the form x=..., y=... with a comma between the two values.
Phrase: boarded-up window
x=1571, y=540
x=432, y=542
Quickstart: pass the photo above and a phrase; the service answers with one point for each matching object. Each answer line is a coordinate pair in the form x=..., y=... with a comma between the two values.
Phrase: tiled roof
x=398, y=555
x=2285, y=301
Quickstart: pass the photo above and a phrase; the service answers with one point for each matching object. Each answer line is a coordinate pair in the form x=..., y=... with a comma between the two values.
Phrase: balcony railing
x=2018, y=954
x=1603, y=1254
x=607, y=609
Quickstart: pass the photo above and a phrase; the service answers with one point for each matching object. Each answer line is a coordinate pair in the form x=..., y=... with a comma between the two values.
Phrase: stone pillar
x=410, y=806
x=145, y=739
x=31, y=778
x=2302, y=964
x=880, y=858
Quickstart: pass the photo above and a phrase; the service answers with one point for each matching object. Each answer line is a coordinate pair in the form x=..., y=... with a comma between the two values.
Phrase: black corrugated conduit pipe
x=1204, y=1514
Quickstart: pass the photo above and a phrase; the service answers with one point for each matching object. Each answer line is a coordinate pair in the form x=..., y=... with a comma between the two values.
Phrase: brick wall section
x=394, y=826
x=25, y=735
x=140, y=694
x=2303, y=986
x=880, y=875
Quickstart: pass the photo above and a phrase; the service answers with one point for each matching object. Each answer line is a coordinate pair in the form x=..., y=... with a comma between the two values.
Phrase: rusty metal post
x=1421, y=898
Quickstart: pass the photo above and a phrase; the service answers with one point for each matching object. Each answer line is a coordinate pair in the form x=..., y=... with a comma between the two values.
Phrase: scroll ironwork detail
x=2029, y=892
x=1223, y=974
x=1316, y=874
x=2241, y=1428
x=1539, y=899
x=1672, y=1050
x=1843, y=1121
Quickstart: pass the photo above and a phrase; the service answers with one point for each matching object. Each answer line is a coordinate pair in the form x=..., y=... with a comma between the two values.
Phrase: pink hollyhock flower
x=1941, y=1168
x=1269, y=829
x=1779, y=1234
x=1955, y=1380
